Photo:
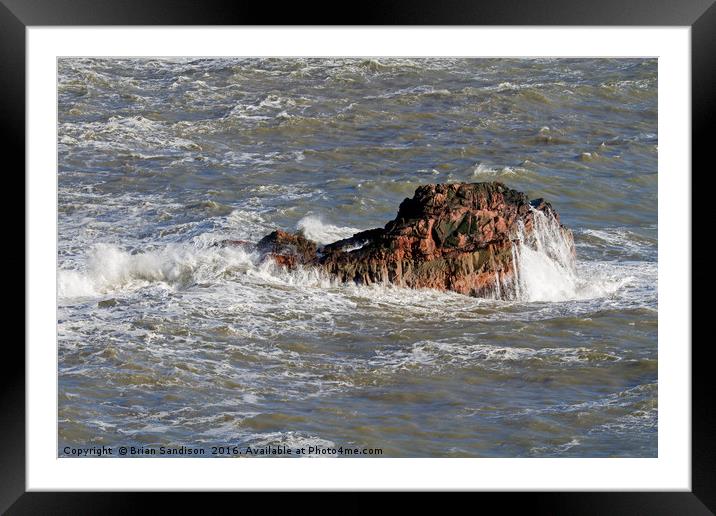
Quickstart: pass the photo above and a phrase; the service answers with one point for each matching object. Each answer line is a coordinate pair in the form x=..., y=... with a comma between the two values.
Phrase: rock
x=289, y=249
x=456, y=236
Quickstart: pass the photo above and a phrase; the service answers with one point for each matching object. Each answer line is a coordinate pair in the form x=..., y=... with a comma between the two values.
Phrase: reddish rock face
x=289, y=249
x=456, y=236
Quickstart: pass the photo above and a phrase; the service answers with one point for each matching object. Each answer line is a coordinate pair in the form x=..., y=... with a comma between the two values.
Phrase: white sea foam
x=466, y=352
x=546, y=271
x=292, y=440
x=483, y=171
x=125, y=133
x=415, y=90
x=509, y=86
x=620, y=238
x=546, y=268
x=314, y=228
x=272, y=106
x=108, y=267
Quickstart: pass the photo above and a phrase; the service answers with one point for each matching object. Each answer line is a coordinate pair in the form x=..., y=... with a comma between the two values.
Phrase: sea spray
x=319, y=231
x=545, y=265
x=110, y=267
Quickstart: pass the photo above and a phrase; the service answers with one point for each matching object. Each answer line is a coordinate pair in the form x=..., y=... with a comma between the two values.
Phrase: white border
x=670, y=471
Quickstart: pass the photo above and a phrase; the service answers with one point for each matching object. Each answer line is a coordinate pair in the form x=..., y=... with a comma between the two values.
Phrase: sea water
x=167, y=340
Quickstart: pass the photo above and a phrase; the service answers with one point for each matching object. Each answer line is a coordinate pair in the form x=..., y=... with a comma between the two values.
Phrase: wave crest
x=314, y=228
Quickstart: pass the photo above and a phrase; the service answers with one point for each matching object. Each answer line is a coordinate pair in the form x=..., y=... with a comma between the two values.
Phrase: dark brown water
x=166, y=340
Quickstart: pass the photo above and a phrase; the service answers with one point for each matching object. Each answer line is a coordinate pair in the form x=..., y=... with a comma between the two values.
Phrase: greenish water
x=164, y=339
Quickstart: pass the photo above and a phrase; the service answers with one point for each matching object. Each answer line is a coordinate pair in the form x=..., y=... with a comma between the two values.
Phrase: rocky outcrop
x=457, y=236
x=289, y=249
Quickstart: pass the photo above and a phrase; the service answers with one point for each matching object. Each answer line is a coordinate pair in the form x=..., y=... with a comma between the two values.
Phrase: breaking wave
x=315, y=229
x=546, y=272
x=546, y=266
x=109, y=267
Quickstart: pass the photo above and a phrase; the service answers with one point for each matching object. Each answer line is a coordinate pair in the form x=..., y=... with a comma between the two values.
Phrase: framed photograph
x=440, y=249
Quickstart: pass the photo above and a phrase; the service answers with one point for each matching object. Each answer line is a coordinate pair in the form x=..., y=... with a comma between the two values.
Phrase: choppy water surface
x=166, y=340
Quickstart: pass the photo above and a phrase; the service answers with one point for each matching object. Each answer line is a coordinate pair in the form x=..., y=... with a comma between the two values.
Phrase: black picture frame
x=700, y=15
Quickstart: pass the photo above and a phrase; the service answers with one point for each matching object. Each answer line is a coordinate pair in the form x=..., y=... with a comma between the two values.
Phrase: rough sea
x=167, y=340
